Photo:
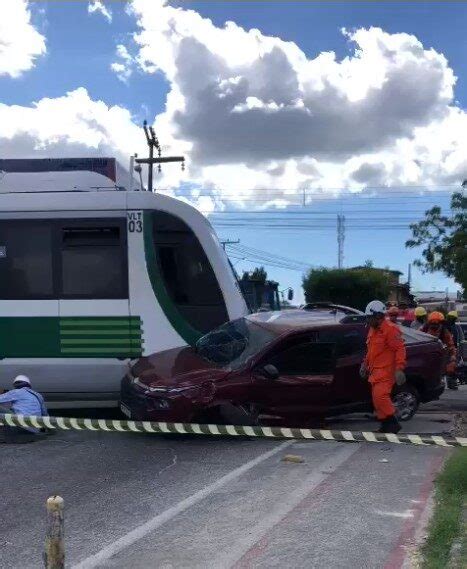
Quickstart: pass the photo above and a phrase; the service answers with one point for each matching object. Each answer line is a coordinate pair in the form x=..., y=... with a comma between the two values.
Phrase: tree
x=351, y=287
x=444, y=240
x=258, y=274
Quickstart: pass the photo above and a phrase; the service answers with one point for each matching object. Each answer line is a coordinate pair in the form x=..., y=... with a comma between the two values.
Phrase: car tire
x=406, y=400
x=233, y=414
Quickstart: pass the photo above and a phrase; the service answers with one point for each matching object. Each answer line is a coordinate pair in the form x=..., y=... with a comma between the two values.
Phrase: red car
x=292, y=366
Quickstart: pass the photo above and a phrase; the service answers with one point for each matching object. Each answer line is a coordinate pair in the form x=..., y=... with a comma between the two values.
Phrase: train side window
x=26, y=264
x=187, y=273
x=93, y=260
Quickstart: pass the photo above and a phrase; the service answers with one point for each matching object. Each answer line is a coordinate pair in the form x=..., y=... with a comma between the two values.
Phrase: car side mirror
x=270, y=371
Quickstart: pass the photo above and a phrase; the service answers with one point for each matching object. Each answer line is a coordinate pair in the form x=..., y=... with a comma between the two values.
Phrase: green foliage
x=446, y=523
x=259, y=274
x=444, y=240
x=351, y=287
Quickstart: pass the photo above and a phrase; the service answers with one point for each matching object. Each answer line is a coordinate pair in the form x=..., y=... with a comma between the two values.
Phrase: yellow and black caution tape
x=66, y=423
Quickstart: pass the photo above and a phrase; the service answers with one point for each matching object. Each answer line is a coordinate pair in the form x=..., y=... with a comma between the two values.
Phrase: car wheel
x=239, y=414
x=406, y=401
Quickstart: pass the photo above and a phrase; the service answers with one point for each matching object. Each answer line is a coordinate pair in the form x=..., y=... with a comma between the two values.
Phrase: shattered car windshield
x=233, y=343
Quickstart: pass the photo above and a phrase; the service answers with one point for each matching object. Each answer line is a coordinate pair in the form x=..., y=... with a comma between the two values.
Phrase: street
x=184, y=502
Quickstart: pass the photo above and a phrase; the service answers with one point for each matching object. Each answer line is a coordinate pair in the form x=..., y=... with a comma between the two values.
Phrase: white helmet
x=375, y=307
x=22, y=379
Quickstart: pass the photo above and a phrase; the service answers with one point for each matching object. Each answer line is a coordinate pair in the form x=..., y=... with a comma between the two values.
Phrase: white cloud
x=76, y=125
x=20, y=42
x=253, y=111
x=123, y=68
x=63, y=126
x=98, y=7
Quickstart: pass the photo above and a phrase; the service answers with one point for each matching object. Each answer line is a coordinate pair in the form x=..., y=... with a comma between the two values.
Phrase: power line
x=267, y=258
x=408, y=189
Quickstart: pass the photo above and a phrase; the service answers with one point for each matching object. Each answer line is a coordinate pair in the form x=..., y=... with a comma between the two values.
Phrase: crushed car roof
x=288, y=320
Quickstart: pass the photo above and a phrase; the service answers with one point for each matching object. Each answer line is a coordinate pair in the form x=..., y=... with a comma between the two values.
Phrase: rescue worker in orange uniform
x=384, y=364
x=393, y=314
x=435, y=327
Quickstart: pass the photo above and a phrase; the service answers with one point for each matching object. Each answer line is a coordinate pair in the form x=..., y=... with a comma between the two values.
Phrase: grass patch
x=446, y=524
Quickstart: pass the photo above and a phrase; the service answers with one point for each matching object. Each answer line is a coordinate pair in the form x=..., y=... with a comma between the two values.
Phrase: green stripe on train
x=50, y=337
x=66, y=323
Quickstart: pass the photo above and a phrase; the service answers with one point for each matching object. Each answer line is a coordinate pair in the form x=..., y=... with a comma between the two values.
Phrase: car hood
x=179, y=367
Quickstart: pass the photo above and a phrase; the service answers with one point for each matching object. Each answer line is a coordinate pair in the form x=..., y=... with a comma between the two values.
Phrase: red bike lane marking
x=319, y=494
x=316, y=496
x=400, y=551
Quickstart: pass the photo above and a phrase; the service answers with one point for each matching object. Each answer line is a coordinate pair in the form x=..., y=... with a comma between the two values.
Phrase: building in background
x=260, y=295
x=399, y=293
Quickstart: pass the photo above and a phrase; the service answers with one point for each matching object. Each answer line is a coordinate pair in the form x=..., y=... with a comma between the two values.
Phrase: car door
x=348, y=388
x=462, y=343
x=304, y=383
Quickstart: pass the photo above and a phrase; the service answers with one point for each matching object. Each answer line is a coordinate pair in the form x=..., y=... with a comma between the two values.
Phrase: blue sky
x=82, y=46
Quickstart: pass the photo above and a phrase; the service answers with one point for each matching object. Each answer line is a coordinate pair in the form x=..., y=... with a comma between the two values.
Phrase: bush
x=351, y=287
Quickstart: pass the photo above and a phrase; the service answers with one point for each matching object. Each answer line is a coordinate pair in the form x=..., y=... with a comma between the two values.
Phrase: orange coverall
x=446, y=337
x=385, y=354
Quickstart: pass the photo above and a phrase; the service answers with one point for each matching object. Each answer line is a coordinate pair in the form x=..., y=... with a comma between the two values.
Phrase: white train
x=92, y=279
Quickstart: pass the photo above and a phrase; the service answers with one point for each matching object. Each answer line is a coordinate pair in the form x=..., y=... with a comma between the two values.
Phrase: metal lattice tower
x=340, y=240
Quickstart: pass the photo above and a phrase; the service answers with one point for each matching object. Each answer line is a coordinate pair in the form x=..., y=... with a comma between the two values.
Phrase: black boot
x=452, y=382
x=390, y=425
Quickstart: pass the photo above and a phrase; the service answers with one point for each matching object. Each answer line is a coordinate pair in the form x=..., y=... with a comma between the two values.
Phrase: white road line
x=141, y=531
x=284, y=506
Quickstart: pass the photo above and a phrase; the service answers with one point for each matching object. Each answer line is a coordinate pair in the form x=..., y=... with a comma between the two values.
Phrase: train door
x=95, y=329
x=147, y=299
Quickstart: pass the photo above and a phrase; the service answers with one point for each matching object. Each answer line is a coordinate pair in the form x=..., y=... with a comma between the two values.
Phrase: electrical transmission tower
x=340, y=240
x=153, y=144
x=229, y=242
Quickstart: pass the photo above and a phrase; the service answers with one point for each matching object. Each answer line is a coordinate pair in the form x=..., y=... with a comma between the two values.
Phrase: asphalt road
x=451, y=400
x=146, y=501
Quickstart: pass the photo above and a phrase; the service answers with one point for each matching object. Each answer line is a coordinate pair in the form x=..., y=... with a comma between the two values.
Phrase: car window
x=462, y=332
x=305, y=358
x=348, y=341
x=233, y=343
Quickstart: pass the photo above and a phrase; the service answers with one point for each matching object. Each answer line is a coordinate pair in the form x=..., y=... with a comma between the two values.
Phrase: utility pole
x=229, y=242
x=153, y=144
x=340, y=240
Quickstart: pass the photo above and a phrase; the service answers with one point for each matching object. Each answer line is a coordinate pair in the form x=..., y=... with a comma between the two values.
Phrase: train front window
x=187, y=273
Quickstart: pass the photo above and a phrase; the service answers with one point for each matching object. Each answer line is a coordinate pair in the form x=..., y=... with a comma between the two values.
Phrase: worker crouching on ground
x=420, y=318
x=21, y=400
x=384, y=364
x=436, y=327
